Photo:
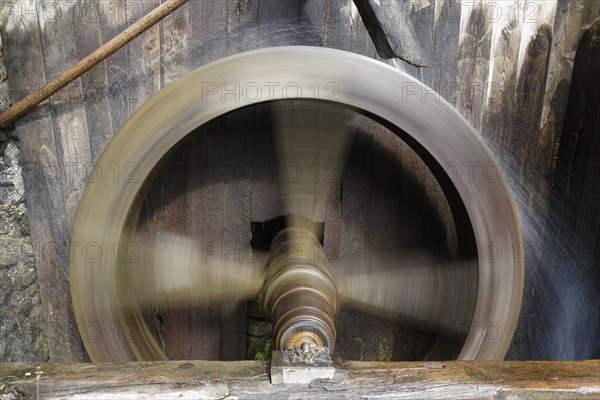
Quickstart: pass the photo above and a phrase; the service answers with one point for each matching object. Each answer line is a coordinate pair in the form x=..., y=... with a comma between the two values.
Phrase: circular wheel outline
x=360, y=82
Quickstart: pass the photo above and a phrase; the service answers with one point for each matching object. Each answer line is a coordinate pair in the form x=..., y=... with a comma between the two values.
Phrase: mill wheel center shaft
x=299, y=295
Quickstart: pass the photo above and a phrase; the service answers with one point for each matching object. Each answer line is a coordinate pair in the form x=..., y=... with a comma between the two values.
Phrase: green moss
x=266, y=353
x=40, y=346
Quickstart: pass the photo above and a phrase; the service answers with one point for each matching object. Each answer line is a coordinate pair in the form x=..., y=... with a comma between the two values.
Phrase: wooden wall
x=505, y=65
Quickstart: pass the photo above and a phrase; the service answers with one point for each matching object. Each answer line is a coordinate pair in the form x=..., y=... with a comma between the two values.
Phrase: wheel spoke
x=434, y=295
x=175, y=272
x=312, y=142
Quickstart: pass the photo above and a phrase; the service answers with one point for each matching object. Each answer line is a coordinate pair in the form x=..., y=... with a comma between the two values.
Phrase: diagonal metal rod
x=29, y=102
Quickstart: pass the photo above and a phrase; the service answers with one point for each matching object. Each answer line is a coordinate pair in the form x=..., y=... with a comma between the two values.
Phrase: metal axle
x=299, y=295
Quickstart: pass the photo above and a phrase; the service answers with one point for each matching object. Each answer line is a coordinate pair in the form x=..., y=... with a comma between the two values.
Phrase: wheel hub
x=299, y=295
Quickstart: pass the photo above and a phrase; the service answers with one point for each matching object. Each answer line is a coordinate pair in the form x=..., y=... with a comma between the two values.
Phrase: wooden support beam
x=391, y=30
x=250, y=380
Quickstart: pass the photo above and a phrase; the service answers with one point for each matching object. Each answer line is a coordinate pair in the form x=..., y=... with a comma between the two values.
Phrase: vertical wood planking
x=241, y=25
x=113, y=20
x=499, y=106
x=174, y=48
x=175, y=213
x=360, y=41
x=88, y=37
x=207, y=22
x=383, y=227
x=207, y=191
x=310, y=15
x=566, y=35
x=150, y=224
x=67, y=109
x=42, y=172
x=473, y=63
x=421, y=15
x=174, y=45
x=569, y=259
x=441, y=72
x=336, y=30
x=524, y=131
x=385, y=193
x=146, y=51
x=237, y=174
x=354, y=248
x=146, y=74
x=266, y=194
x=586, y=167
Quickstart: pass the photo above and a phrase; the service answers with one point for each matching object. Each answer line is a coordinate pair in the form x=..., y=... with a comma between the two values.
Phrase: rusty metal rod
x=100, y=54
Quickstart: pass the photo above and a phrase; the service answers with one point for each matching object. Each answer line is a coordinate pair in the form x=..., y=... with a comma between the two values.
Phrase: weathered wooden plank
x=498, y=111
x=473, y=63
x=43, y=179
x=266, y=195
x=175, y=213
x=67, y=108
x=146, y=73
x=391, y=30
x=113, y=20
x=327, y=20
x=237, y=173
x=207, y=191
x=150, y=224
x=360, y=41
x=524, y=136
x=249, y=380
x=584, y=187
x=421, y=15
x=174, y=45
x=354, y=248
x=336, y=19
x=441, y=72
x=574, y=206
x=146, y=50
x=95, y=96
x=242, y=26
x=566, y=35
x=207, y=25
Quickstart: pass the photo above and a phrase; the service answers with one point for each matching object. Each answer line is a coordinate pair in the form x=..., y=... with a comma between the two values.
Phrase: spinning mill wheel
x=299, y=290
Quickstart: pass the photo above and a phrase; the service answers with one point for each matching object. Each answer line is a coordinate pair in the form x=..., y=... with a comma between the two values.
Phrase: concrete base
x=283, y=371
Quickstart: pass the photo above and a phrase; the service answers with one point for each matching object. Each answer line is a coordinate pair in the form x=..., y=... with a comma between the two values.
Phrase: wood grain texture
x=52, y=15
x=391, y=29
x=207, y=191
x=237, y=218
x=575, y=204
x=355, y=380
x=88, y=37
x=43, y=179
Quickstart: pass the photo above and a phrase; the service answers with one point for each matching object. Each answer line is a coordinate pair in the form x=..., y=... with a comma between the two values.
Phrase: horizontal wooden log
x=250, y=380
